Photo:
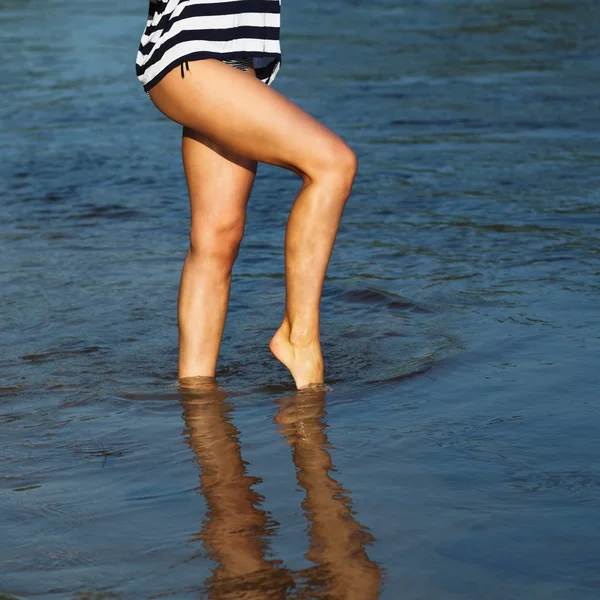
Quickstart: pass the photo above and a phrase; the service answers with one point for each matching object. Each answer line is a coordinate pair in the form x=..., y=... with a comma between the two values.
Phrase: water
x=455, y=456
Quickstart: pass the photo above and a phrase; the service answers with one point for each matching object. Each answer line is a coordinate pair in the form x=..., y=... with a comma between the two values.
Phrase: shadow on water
x=236, y=533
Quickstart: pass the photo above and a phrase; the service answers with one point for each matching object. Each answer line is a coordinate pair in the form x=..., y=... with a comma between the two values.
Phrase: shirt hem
x=266, y=74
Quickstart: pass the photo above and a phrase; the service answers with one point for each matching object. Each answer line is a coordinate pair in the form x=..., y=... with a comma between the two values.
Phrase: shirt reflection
x=236, y=530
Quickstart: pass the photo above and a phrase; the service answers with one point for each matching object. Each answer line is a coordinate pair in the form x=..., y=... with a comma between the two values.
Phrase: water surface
x=455, y=456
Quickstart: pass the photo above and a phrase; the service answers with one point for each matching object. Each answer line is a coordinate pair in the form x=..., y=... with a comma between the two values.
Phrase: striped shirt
x=178, y=31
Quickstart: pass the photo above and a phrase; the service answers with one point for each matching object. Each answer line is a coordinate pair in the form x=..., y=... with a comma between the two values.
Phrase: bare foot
x=304, y=362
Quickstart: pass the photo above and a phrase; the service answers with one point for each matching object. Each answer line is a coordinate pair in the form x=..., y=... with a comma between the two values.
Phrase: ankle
x=300, y=335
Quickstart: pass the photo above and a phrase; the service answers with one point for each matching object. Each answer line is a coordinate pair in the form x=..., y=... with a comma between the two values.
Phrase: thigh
x=219, y=183
x=245, y=116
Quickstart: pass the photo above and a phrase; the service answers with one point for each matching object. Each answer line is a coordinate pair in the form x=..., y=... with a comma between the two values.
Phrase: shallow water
x=455, y=456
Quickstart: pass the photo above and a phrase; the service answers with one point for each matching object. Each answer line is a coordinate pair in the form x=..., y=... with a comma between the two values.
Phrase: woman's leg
x=219, y=184
x=250, y=119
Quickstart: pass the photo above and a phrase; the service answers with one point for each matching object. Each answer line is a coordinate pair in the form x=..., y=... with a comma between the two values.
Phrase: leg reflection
x=236, y=530
x=337, y=540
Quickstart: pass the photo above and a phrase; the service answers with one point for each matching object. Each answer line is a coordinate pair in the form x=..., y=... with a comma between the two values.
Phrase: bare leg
x=219, y=184
x=252, y=120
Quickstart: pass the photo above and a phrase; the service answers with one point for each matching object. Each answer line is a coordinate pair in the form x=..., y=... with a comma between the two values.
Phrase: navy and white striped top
x=183, y=30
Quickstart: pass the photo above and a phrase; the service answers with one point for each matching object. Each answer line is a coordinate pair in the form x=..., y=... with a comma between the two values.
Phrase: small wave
x=370, y=295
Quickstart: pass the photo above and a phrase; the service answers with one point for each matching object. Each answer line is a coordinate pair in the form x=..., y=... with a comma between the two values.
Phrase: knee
x=217, y=243
x=337, y=166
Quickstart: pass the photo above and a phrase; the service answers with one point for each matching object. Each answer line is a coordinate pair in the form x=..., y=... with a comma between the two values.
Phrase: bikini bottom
x=243, y=64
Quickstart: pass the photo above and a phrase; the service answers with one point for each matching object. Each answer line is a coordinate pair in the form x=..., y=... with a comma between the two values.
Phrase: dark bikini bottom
x=243, y=64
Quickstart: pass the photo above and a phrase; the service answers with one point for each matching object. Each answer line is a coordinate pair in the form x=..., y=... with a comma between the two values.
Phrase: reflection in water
x=236, y=531
x=337, y=540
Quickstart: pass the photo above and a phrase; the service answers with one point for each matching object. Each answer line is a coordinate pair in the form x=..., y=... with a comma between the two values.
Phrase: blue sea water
x=455, y=455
